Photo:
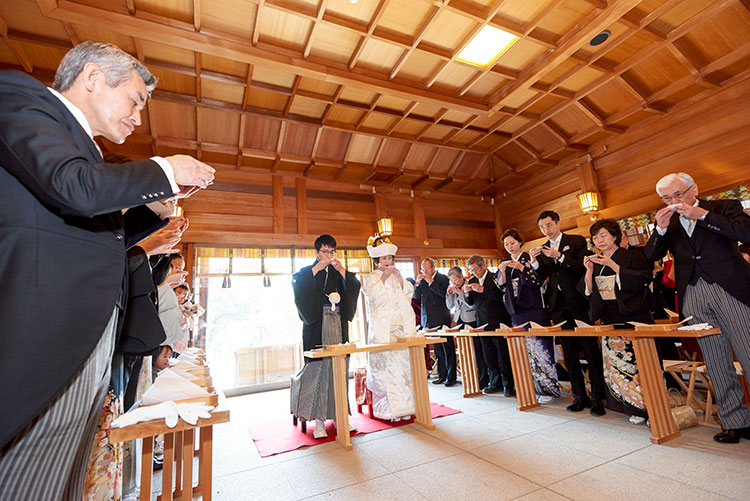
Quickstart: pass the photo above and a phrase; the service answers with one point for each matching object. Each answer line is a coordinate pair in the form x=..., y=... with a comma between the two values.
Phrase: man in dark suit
x=712, y=285
x=560, y=260
x=487, y=298
x=63, y=241
x=431, y=289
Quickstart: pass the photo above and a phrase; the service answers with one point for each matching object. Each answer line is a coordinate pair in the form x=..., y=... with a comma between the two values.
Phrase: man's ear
x=91, y=76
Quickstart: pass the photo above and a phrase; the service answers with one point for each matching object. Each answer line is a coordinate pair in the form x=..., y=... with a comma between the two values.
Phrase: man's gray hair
x=115, y=63
x=479, y=260
x=683, y=177
x=429, y=260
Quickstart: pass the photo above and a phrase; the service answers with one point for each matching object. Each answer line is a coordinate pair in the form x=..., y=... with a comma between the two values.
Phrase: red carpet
x=280, y=436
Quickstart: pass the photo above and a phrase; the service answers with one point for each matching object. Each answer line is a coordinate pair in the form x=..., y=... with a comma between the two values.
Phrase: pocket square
x=567, y=247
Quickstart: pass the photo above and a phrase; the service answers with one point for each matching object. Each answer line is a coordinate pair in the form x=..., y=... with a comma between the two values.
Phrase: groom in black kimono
x=323, y=291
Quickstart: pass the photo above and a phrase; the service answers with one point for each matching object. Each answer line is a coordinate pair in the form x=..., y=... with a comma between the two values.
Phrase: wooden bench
x=338, y=353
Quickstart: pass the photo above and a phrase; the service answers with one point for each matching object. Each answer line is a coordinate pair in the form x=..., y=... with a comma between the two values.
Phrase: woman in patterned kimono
x=616, y=282
x=525, y=302
x=390, y=317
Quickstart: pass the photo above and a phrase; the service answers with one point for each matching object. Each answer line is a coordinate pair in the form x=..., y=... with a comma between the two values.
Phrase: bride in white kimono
x=390, y=316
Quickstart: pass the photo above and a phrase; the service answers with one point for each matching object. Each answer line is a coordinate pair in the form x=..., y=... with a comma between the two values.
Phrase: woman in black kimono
x=616, y=282
x=524, y=301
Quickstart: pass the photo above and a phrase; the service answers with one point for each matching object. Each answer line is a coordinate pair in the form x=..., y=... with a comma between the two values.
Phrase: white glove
x=165, y=410
x=190, y=412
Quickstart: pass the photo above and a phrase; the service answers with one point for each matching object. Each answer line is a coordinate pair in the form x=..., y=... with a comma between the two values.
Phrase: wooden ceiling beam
x=279, y=145
x=198, y=133
x=491, y=13
x=256, y=23
x=15, y=47
x=442, y=184
x=591, y=26
x=241, y=140
x=290, y=100
x=198, y=92
x=248, y=83
x=197, y=15
x=139, y=50
x=316, y=22
x=456, y=162
x=419, y=182
x=403, y=117
x=336, y=97
x=478, y=167
x=70, y=30
x=364, y=37
x=168, y=31
x=130, y=5
x=416, y=40
x=368, y=112
x=441, y=113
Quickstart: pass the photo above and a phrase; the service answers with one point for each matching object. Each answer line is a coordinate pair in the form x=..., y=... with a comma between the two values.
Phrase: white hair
x=671, y=178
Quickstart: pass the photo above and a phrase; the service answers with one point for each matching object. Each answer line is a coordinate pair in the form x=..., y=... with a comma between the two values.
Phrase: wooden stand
x=663, y=427
x=338, y=353
x=179, y=447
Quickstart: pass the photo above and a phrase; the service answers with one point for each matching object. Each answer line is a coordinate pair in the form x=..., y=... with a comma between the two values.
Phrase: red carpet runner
x=280, y=436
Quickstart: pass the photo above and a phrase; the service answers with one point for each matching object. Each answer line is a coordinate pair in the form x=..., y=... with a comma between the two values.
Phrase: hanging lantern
x=589, y=202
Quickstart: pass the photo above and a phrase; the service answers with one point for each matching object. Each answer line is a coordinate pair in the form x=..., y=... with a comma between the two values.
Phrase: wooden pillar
x=498, y=225
x=301, y=189
x=587, y=174
x=277, y=186
x=381, y=210
x=420, y=223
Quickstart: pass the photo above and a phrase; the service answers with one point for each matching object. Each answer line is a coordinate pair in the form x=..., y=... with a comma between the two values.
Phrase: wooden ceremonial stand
x=415, y=345
x=179, y=447
x=663, y=427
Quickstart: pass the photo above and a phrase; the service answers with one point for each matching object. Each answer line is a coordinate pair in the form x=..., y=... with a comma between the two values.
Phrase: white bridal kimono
x=390, y=316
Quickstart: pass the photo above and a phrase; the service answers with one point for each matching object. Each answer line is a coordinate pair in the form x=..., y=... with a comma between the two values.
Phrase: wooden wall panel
x=709, y=140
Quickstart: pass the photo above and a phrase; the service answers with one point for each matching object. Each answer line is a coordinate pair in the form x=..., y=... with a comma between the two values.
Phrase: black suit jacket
x=489, y=303
x=562, y=293
x=434, y=311
x=712, y=251
x=62, y=244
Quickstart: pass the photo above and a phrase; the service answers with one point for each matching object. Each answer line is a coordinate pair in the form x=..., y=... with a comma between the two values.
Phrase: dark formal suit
x=491, y=311
x=62, y=240
x=566, y=304
x=436, y=314
x=712, y=286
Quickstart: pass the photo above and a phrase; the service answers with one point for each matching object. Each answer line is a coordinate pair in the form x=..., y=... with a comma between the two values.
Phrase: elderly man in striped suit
x=712, y=285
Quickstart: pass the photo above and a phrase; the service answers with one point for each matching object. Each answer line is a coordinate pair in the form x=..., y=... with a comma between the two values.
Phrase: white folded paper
x=581, y=323
x=183, y=373
x=171, y=386
x=169, y=411
x=185, y=365
x=696, y=327
x=503, y=326
x=184, y=357
x=482, y=326
x=194, y=350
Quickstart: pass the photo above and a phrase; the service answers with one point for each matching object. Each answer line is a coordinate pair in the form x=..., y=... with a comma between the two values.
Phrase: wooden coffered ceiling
x=371, y=93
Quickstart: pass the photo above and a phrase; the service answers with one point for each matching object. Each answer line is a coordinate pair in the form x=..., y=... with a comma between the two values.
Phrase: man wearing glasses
x=326, y=297
x=712, y=285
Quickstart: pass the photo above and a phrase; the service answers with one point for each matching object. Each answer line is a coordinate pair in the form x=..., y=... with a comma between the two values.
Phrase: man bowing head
x=63, y=242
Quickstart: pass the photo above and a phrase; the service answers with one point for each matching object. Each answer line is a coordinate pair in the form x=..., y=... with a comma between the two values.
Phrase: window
x=251, y=331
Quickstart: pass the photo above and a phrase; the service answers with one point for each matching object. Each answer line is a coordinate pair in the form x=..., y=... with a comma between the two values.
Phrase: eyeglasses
x=677, y=195
x=327, y=252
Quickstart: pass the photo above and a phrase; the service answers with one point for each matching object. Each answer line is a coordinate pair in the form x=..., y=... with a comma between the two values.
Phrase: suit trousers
x=446, y=359
x=712, y=304
x=592, y=352
x=48, y=459
x=497, y=361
